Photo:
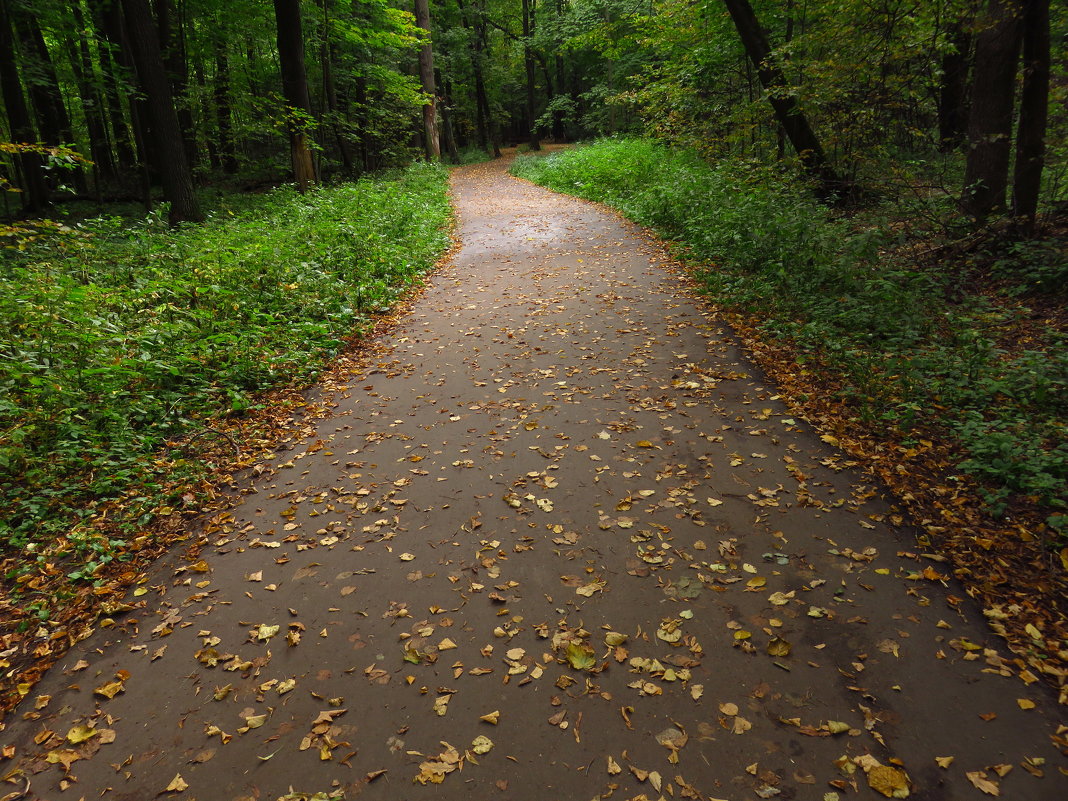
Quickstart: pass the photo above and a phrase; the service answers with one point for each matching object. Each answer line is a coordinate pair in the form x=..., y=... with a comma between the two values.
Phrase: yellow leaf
x=613, y=766
x=110, y=690
x=491, y=718
x=944, y=762
x=778, y=647
x=481, y=744
x=1025, y=703
x=80, y=733
x=888, y=781
x=177, y=784
x=644, y=443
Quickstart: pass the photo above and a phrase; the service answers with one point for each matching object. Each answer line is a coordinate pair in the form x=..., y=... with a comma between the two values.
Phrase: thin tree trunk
x=793, y=121
x=34, y=189
x=81, y=64
x=1031, y=128
x=327, y=55
x=997, y=51
x=295, y=88
x=481, y=103
x=174, y=169
x=448, y=135
x=116, y=65
x=53, y=122
x=431, y=145
x=222, y=109
x=528, y=63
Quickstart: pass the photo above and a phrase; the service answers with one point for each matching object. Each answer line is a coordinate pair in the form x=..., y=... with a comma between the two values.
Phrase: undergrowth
x=116, y=339
x=911, y=348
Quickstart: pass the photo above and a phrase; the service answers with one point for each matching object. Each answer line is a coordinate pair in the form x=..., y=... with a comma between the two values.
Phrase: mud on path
x=561, y=541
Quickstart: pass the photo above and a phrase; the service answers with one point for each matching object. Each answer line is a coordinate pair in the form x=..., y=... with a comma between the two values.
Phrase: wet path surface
x=560, y=541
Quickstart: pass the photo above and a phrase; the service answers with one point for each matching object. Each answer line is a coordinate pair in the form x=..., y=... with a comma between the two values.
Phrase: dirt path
x=563, y=513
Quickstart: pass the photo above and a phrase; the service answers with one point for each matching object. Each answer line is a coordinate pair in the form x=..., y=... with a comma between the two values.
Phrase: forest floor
x=558, y=538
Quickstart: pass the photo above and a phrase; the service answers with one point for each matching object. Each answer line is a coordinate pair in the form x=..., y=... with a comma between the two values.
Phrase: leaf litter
x=587, y=648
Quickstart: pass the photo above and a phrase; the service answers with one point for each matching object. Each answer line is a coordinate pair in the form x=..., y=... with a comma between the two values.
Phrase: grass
x=913, y=348
x=117, y=339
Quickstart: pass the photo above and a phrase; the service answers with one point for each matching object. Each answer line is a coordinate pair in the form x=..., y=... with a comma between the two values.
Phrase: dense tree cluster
x=936, y=95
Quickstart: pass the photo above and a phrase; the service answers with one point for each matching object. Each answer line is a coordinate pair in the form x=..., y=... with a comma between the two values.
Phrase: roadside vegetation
x=969, y=347
x=124, y=340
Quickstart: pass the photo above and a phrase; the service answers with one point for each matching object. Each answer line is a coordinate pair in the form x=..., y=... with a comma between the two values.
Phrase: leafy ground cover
x=944, y=365
x=127, y=348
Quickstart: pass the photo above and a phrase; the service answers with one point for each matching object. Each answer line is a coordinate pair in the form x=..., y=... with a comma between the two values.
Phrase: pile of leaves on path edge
x=1018, y=583
x=280, y=416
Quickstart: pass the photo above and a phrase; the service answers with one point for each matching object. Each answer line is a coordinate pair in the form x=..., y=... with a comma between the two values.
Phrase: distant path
x=558, y=441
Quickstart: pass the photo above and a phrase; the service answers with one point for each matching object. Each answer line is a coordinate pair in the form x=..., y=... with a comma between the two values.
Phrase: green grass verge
x=115, y=338
x=912, y=346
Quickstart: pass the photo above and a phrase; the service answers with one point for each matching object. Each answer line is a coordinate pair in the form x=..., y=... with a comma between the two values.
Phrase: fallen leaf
x=888, y=781
x=177, y=785
x=981, y=782
x=481, y=744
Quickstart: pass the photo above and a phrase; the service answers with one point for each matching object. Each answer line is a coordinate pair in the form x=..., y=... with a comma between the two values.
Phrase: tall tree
x=953, y=91
x=1034, y=104
x=793, y=121
x=31, y=164
x=173, y=166
x=81, y=63
x=997, y=52
x=528, y=66
x=290, y=38
x=431, y=143
x=223, y=118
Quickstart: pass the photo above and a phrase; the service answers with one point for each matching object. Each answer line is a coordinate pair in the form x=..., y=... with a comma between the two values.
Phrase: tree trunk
x=481, y=102
x=448, y=135
x=1034, y=103
x=115, y=62
x=174, y=167
x=34, y=189
x=53, y=122
x=528, y=63
x=793, y=121
x=997, y=51
x=295, y=88
x=222, y=109
x=81, y=63
x=953, y=93
x=172, y=45
x=327, y=55
x=431, y=145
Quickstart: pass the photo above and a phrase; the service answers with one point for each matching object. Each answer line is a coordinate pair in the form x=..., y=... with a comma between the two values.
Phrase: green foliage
x=122, y=338
x=905, y=356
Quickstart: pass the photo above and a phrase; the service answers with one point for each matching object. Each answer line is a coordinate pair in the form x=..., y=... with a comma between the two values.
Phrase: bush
x=116, y=338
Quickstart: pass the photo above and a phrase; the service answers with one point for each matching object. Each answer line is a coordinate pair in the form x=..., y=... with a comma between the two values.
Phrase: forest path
x=556, y=442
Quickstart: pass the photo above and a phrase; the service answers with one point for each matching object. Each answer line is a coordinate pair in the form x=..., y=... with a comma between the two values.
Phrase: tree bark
x=81, y=63
x=431, y=144
x=223, y=119
x=116, y=65
x=53, y=122
x=295, y=88
x=327, y=56
x=793, y=121
x=173, y=166
x=448, y=135
x=34, y=189
x=528, y=63
x=172, y=45
x=953, y=92
x=997, y=50
x=481, y=103
x=1034, y=106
